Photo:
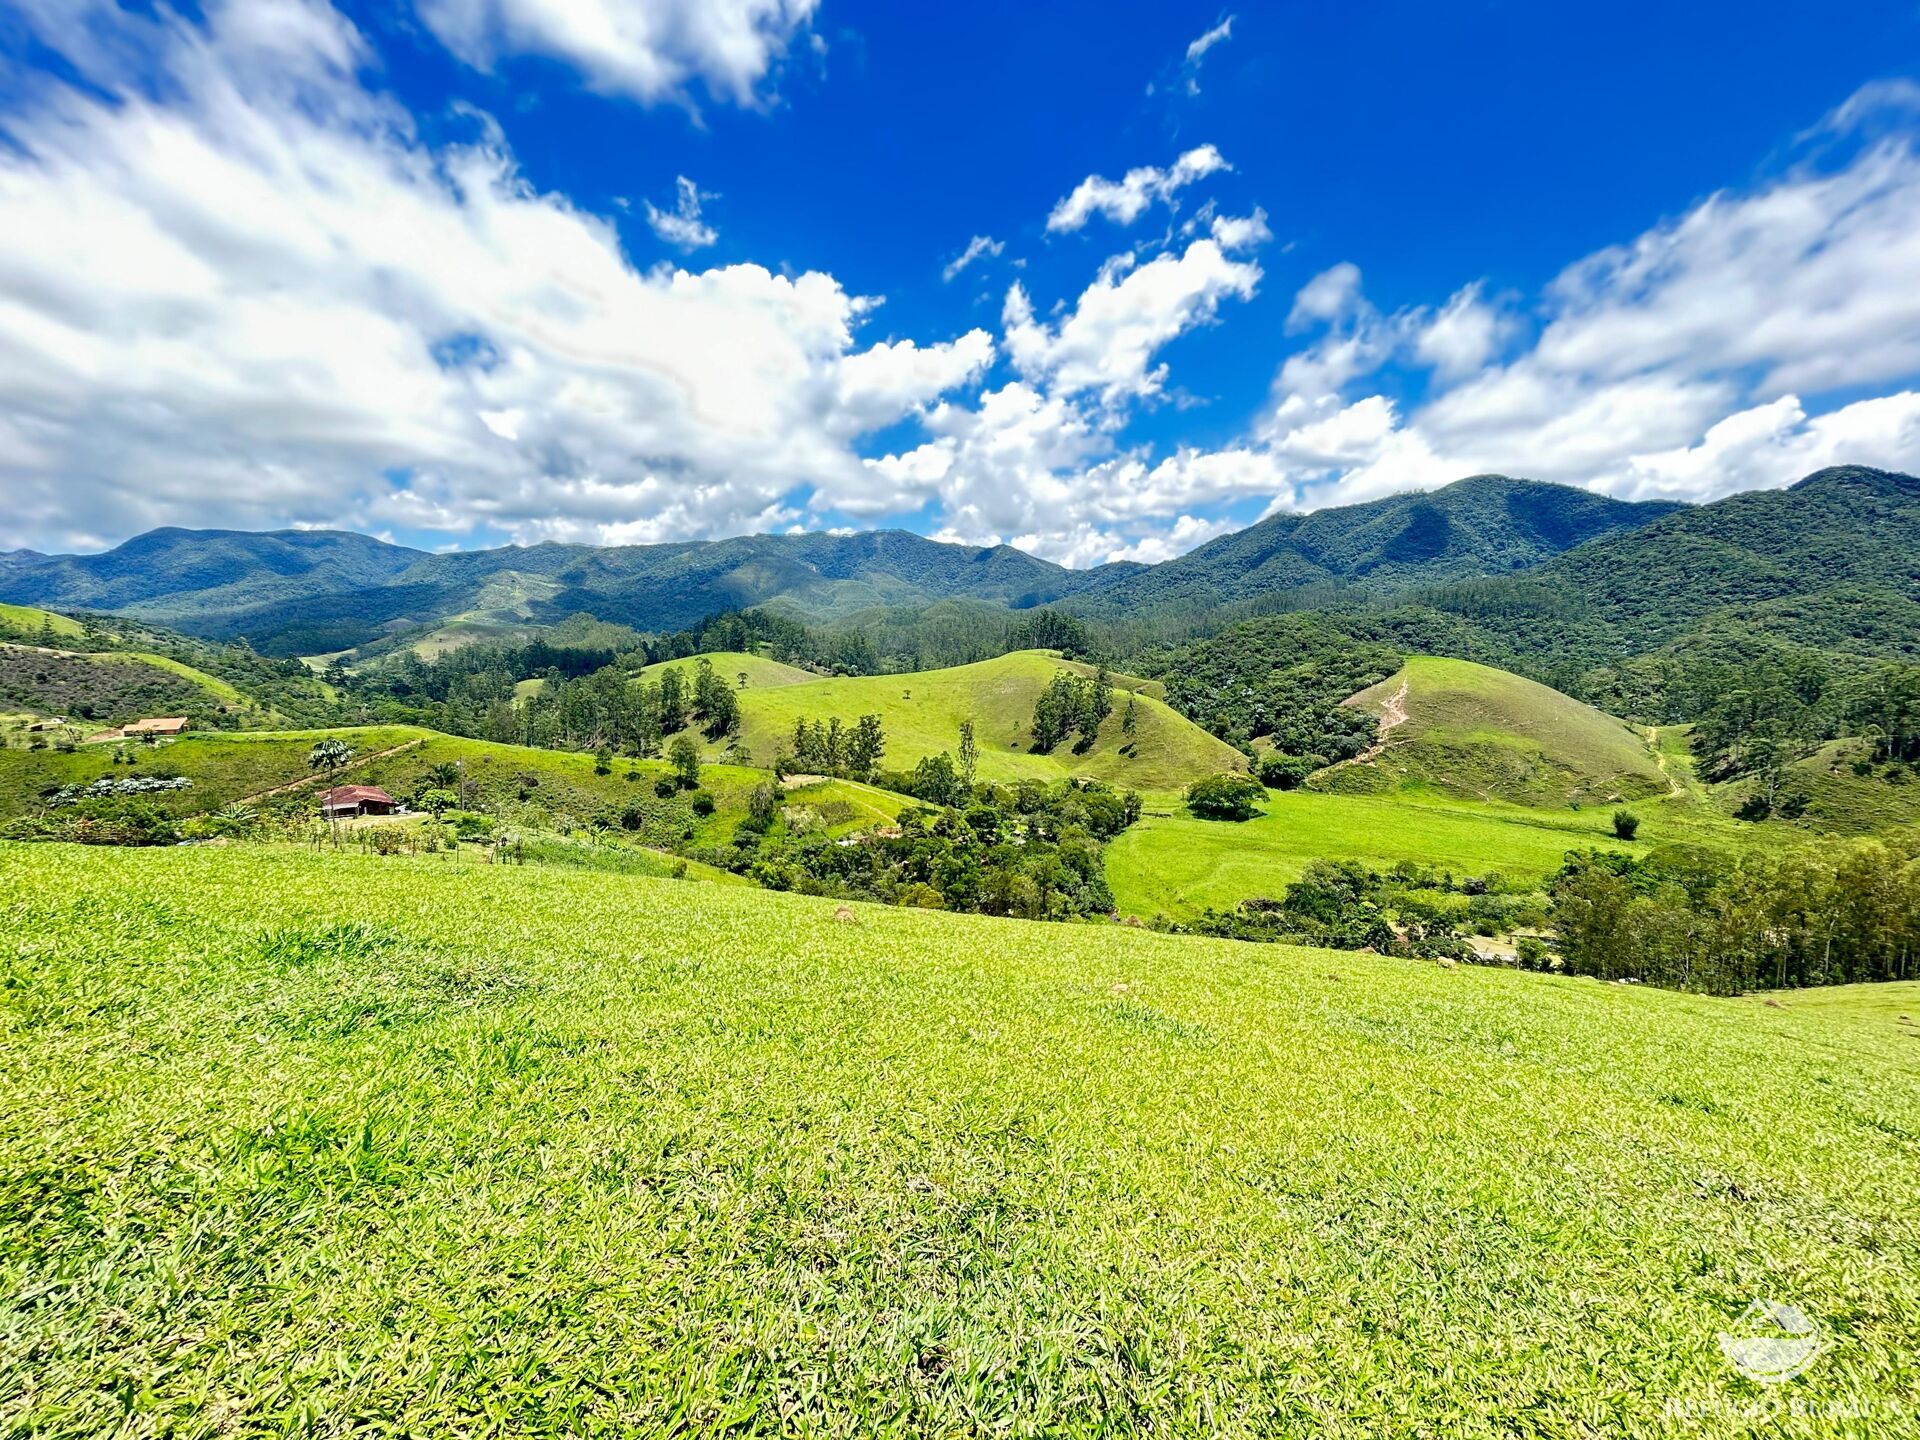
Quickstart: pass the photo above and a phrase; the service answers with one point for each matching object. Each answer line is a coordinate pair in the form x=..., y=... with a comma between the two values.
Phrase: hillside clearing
x=1487, y=734
x=627, y=1155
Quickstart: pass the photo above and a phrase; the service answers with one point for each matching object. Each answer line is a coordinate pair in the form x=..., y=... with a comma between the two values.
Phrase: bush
x=1626, y=824
x=1287, y=772
x=702, y=802
x=665, y=786
x=1225, y=797
x=116, y=821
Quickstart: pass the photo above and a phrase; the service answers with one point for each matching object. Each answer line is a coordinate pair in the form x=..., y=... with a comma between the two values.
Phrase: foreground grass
x=343, y=1144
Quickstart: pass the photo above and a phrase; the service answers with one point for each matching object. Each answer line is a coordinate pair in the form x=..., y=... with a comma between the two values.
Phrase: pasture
x=340, y=1142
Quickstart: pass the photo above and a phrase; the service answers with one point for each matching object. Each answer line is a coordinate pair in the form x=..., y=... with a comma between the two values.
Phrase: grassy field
x=1486, y=734
x=922, y=714
x=29, y=622
x=1173, y=863
x=730, y=665
x=344, y=1143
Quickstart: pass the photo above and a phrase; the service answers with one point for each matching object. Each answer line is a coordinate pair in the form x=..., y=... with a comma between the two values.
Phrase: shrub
x=1626, y=824
x=1287, y=772
x=702, y=802
x=666, y=785
x=1225, y=797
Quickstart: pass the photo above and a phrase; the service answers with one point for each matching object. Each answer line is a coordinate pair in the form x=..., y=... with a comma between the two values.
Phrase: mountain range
x=1833, y=561
x=314, y=591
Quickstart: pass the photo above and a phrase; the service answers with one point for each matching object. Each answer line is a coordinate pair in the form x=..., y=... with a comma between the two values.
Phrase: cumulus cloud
x=646, y=50
x=1688, y=362
x=1125, y=200
x=1107, y=342
x=978, y=246
x=682, y=225
x=236, y=287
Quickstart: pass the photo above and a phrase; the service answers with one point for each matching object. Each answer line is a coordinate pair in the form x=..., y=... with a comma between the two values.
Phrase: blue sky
x=467, y=271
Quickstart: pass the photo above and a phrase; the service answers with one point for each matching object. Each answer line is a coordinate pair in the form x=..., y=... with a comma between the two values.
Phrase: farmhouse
x=346, y=801
x=167, y=725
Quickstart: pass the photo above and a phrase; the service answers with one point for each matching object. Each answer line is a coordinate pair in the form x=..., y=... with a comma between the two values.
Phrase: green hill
x=921, y=714
x=1473, y=731
x=31, y=625
x=418, y=1142
x=761, y=673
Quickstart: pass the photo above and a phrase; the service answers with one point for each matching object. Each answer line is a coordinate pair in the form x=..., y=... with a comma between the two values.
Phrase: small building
x=162, y=726
x=347, y=802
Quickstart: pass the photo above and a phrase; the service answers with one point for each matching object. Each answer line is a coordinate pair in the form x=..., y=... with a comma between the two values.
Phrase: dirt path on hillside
x=1675, y=790
x=1393, y=715
x=353, y=764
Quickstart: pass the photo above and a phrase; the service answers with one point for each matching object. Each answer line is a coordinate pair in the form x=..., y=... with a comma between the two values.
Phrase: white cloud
x=237, y=288
x=682, y=226
x=1244, y=232
x=1108, y=341
x=1125, y=200
x=976, y=247
x=1688, y=362
x=1199, y=47
x=647, y=50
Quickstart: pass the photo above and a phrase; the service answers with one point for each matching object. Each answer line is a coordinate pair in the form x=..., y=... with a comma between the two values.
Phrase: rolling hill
x=1469, y=730
x=922, y=712
x=760, y=672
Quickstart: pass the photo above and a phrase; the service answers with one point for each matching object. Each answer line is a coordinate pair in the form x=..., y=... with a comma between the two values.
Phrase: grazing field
x=922, y=713
x=338, y=1142
x=1486, y=734
x=730, y=665
x=1173, y=863
x=29, y=622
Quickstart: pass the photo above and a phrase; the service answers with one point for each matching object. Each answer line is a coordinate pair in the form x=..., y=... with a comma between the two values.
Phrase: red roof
x=357, y=795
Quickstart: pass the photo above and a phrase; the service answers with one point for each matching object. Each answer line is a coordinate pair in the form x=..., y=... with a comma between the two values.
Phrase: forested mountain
x=171, y=571
x=1486, y=525
x=304, y=592
x=1831, y=563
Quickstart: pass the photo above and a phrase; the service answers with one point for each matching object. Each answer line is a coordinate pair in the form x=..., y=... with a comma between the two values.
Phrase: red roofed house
x=347, y=801
x=165, y=725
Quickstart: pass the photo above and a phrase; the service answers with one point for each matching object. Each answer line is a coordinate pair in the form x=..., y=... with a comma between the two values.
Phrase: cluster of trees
x=1073, y=705
x=1694, y=918
x=1342, y=905
x=1283, y=677
x=831, y=747
x=1027, y=850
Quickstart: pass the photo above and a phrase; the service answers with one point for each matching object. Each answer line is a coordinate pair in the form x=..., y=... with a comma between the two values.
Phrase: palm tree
x=330, y=755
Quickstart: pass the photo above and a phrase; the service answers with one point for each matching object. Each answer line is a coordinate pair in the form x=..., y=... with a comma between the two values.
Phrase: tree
x=865, y=747
x=969, y=753
x=330, y=756
x=1225, y=797
x=444, y=775
x=684, y=756
x=603, y=761
x=673, y=702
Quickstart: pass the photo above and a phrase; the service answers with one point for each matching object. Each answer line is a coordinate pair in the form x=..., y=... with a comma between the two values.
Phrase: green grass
x=922, y=713
x=1486, y=734
x=303, y=1142
x=730, y=665
x=219, y=689
x=1174, y=863
x=28, y=622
